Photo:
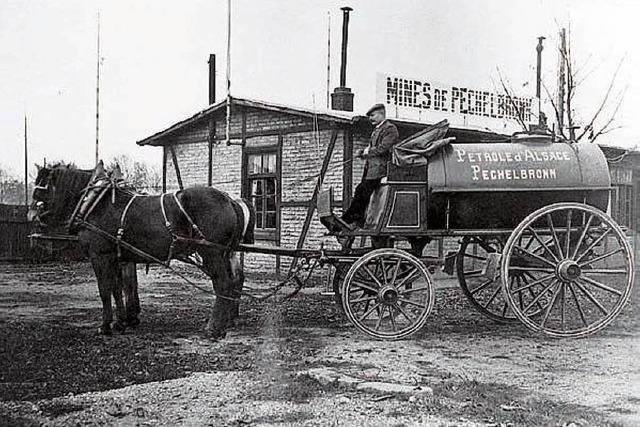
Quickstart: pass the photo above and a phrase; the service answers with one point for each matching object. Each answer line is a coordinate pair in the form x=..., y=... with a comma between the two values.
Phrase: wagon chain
x=292, y=276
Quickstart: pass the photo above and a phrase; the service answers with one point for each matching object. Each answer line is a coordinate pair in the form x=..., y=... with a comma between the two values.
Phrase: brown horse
x=127, y=275
x=158, y=227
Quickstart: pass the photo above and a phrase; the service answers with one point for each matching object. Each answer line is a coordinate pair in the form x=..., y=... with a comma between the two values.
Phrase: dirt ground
x=56, y=370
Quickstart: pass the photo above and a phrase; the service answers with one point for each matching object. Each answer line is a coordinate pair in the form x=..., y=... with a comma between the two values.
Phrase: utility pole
x=541, y=120
x=228, y=127
x=329, y=60
x=98, y=95
x=26, y=160
x=562, y=80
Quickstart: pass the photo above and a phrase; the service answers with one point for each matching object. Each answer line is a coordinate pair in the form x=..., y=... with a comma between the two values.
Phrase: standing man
x=376, y=155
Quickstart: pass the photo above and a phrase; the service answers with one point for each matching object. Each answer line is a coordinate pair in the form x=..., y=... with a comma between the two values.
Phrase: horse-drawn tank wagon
x=535, y=242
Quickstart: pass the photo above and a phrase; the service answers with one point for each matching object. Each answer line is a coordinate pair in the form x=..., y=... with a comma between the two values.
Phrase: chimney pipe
x=539, y=66
x=212, y=79
x=342, y=97
x=345, y=40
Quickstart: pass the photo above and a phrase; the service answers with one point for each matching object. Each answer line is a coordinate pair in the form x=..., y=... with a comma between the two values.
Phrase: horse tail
x=249, y=220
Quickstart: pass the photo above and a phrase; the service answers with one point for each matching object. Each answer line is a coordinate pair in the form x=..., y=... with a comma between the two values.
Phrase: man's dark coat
x=383, y=138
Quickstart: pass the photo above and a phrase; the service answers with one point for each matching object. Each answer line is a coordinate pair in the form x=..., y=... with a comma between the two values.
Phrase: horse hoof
x=215, y=334
x=119, y=327
x=105, y=330
x=133, y=322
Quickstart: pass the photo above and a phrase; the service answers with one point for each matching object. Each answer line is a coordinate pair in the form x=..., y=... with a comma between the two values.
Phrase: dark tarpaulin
x=416, y=149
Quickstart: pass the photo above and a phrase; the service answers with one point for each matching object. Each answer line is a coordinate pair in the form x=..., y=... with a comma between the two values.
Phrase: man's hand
x=362, y=153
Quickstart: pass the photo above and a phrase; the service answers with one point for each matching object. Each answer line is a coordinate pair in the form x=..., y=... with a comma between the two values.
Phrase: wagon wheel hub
x=568, y=270
x=388, y=295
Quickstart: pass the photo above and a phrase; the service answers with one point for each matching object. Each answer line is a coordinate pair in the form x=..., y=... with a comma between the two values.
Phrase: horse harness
x=94, y=193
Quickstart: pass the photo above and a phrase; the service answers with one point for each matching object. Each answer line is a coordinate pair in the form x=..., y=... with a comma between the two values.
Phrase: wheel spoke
x=393, y=319
x=593, y=244
x=603, y=271
x=368, y=312
x=537, y=298
x=543, y=245
x=582, y=236
x=520, y=301
x=404, y=313
x=538, y=257
x=363, y=299
x=395, y=271
x=504, y=309
x=493, y=296
x=482, y=286
x=556, y=241
x=600, y=285
x=530, y=291
x=375, y=279
x=403, y=281
x=406, y=301
x=556, y=292
x=568, y=236
x=412, y=290
x=529, y=285
x=384, y=271
x=562, y=303
x=365, y=286
x=539, y=269
x=592, y=298
x=575, y=298
x=380, y=316
x=601, y=257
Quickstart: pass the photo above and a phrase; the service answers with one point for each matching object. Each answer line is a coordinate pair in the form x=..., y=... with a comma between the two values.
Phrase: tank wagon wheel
x=576, y=269
x=388, y=294
x=484, y=293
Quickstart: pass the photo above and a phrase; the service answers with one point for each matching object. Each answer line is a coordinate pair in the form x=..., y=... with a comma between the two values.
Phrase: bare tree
x=141, y=175
x=571, y=79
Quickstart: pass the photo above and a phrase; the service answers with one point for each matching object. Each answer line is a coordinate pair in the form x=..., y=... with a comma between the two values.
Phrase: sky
x=154, y=56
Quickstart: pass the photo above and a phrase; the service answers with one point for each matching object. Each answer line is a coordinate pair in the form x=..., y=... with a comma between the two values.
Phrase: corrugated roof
x=320, y=113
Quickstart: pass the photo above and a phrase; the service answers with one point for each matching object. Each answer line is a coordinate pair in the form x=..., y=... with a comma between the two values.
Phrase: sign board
x=430, y=101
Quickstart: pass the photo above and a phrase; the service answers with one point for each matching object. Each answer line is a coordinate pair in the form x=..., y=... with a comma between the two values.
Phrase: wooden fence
x=14, y=229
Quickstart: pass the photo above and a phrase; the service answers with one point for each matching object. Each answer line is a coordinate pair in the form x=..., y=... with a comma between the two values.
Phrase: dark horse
x=158, y=227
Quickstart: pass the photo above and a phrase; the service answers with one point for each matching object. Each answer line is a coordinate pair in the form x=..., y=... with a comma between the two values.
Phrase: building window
x=262, y=188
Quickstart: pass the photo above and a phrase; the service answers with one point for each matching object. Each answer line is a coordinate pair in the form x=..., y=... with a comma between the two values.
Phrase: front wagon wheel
x=388, y=294
x=576, y=265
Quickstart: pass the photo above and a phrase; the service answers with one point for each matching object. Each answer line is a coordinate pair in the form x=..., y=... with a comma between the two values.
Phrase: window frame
x=272, y=234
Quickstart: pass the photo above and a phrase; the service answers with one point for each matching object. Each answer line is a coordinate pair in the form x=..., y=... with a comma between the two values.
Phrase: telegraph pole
x=26, y=160
x=562, y=80
x=329, y=60
x=228, y=127
x=98, y=95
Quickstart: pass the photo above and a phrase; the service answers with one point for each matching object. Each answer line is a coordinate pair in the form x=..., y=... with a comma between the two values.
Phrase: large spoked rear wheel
x=576, y=267
x=388, y=294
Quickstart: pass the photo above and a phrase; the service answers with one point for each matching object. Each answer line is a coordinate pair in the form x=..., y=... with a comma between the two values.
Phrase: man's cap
x=376, y=107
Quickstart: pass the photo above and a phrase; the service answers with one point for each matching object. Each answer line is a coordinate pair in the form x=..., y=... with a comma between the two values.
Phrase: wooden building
x=274, y=158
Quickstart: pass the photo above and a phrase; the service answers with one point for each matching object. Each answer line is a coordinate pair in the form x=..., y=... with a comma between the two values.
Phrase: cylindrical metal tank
x=495, y=185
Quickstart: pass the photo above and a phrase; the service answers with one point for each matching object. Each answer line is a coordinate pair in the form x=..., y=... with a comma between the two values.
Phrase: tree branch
x=512, y=102
x=555, y=109
x=604, y=101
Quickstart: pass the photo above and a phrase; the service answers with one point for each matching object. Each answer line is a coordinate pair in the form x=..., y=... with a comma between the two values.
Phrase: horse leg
x=121, y=324
x=130, y=288
x=237, y=282
x=217, y=266
x=105, y=283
